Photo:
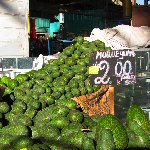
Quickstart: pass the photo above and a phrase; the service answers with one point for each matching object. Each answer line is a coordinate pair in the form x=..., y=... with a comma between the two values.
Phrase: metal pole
x=2, y=65
x=148, y=62
x=48, y=41
x=141, y=64
x=148, y=89
x=140, y=61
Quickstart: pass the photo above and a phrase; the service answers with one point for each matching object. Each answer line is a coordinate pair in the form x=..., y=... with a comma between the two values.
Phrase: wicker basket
x=98, y=103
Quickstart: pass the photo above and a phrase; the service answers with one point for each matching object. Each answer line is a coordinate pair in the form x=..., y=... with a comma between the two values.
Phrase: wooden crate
x=97, y=103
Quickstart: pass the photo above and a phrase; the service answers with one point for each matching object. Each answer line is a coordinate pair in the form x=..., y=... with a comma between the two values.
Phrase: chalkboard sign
x=112, y=67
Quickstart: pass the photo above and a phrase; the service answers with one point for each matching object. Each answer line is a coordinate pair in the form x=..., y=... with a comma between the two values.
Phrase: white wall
x=14, y=28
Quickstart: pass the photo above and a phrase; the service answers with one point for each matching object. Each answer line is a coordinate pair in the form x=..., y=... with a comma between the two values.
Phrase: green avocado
x=15, y=130
x=56, y=94
x=69, y=95
x=118, y=130
x=5, y=140
x=67, y=102
x=4, y=107
x=77, y=139
x=75, y=116
x=59, y=111
x=87, y=144
x=5, y=80
x=21, y=78
x=7, y=91
x=71, y=128
x=105, y=140
x=55, y=74
x=60, y=122
x=12, y=84
x=30, y=112
x=75, y=56
x=1, y=125
x=22, y=142
x=38, y=147
x=79, y=39
x=69, y=50
x=88, y=122
x=18, y=107
x=135, y=113
x=21, y=120
x=75, y=92
x=70, y=61
x=141, y=138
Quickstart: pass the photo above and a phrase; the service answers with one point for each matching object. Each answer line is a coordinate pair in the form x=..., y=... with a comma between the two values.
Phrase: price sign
x=114, y=67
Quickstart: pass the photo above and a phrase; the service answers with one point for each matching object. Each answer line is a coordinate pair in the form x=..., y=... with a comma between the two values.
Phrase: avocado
x=47, y=132
x=75, y=92
x=141, y=139
x=135, y=113
x=22, y=142
x=60, y=122
x=15, y=130
x=41, y=101
x=30, y=112
x=1, y=125
x=12, y=84
x=33, y=104
x=21, y=119
x=67, y=102
x=56, y=94
x=18, y=107
x=21, y=78
x=5, y=140
x=75, y=116
x=69, y=50
x=105, y=140
x=88, y=122
x=70, y=129
x=111, y=122
x=70, y=61
x=47, y=98
x=76, y=140
x=87, y=144
x=38, y=147
x=7, y=91
x=5, y=80
x=68, y=95
x=4, y=107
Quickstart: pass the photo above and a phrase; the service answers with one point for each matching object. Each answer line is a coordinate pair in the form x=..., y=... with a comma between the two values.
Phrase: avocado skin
x=135, y=113
x=118, y=130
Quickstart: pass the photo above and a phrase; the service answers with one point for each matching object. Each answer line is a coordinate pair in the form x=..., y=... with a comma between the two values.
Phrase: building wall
x=84, y=21
x=141, y=16
x=14, y=28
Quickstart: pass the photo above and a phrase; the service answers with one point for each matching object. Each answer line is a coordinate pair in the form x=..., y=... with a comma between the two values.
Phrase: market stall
x=92, y=95
x=59, y=99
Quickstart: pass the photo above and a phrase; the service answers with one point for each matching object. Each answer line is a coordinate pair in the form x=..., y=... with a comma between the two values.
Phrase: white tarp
x=41, y=60
x=123, y=37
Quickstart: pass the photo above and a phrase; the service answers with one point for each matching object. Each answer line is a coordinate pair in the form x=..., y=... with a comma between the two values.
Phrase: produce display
x=37, y=111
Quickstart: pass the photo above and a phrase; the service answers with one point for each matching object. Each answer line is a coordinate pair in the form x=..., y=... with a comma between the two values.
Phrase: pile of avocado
x=37, y=111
